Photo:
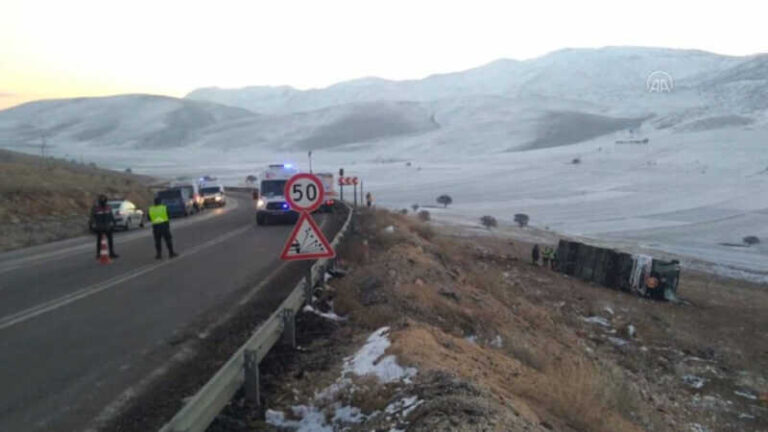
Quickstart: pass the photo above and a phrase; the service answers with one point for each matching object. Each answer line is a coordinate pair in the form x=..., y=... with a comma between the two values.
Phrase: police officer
x=103, y=223
x=369, y=199
x=161, y=228
x=546, y=257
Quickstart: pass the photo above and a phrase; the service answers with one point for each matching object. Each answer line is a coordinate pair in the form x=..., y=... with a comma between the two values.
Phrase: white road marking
x=27, y=314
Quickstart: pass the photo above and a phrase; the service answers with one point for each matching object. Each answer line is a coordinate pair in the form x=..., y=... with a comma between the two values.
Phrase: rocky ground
x=44, y=200
x=430, y=331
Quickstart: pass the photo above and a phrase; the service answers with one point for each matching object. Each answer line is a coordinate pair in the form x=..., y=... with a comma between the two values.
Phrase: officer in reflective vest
x=161, y=228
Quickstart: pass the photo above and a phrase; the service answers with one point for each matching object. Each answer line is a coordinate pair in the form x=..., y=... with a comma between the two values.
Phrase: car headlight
x=260, y=203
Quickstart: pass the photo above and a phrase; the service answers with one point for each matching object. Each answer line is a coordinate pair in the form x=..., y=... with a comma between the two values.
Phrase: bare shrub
x=751, y=240
x=445, y=200
x=415, y=207
x=424, y=216
x=522, y=219
x=489, y=222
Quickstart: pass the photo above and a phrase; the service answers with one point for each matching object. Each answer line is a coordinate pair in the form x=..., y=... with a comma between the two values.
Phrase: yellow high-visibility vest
x=158, y=214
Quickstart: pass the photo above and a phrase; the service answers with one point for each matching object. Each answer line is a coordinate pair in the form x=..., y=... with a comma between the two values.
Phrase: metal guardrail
x=242, y=368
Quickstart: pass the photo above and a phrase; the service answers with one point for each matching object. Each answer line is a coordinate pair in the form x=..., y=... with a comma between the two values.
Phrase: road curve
x=75, y=335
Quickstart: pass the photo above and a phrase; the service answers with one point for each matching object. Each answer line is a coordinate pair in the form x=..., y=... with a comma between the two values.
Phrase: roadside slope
x=43, y=200
x=488, y=341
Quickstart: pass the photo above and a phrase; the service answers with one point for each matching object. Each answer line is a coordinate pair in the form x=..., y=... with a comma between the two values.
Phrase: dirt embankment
x=43, y=200
x=501, y=345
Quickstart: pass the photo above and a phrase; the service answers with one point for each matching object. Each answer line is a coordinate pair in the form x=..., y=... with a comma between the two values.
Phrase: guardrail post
x=289, y=327
x=251, y=386
x=308, y=287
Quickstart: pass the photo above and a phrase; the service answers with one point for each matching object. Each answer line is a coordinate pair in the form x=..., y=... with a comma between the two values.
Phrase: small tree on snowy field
x=489, y=222
x=128, y=171
x=415, y=207
x=444, y=200
x=751, y=240
x=250, y=179
x=424, y=215
x=522, y=219
x=576, y=160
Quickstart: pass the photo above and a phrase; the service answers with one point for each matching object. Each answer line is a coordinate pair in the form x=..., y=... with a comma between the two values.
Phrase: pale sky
x=68, y=48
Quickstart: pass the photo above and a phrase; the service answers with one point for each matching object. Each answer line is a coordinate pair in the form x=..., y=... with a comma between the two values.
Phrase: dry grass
x=437, y=292
x=44, y=200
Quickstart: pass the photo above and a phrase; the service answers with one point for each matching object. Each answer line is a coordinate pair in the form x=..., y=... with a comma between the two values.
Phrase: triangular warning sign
x=306, y=241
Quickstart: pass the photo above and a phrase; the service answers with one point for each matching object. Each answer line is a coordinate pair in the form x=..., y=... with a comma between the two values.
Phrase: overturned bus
x=639, y=274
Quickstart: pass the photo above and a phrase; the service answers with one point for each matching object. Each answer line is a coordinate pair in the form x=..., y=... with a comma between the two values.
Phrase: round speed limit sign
x=304, y=192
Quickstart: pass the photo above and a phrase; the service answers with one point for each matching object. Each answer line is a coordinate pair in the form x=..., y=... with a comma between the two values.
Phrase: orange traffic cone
x=103, y=252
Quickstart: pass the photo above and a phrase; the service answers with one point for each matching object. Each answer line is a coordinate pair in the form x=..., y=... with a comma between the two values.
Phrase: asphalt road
x=76, y=335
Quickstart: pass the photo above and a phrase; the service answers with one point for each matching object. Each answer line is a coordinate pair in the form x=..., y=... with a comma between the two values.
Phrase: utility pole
x=43, y=145
x=310, y=161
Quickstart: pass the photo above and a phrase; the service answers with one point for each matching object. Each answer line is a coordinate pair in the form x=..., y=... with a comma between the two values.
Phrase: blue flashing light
x=285, y=205
x=288, y=165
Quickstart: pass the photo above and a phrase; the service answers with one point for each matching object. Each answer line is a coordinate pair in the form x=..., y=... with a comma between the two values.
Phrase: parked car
x=179, y=201
x=126, y=215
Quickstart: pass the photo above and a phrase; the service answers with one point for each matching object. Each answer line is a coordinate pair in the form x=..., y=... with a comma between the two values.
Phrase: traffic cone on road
x=104, y=252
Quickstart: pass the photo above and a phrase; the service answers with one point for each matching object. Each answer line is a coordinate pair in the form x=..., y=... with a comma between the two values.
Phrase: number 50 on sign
x=304, y=192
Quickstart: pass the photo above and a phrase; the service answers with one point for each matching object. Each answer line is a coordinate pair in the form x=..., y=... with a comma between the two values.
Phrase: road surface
x=75, y=335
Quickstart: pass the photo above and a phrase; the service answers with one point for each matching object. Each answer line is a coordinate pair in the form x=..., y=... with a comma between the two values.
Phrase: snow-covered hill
x=682, y=171
x=612, y=76
x=136, y=121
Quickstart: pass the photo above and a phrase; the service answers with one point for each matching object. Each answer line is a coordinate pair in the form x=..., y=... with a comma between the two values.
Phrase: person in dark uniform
x=535, y=255
x=103, y=224
x=161, y=228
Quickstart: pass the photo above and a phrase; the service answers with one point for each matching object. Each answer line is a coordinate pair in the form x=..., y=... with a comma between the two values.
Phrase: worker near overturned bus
x=161, y=228
x=548, y=256
x=103, y=224
x=368, y=200
x=535, y=255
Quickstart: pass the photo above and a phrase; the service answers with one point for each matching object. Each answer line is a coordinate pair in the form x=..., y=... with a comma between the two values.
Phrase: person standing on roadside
x=369, y=200
x=535, y=255
x=161, y=228
x=546, y=256
x=103, y=224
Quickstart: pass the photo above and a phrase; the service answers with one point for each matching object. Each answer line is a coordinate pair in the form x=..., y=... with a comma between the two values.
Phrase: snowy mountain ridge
x=606, y=76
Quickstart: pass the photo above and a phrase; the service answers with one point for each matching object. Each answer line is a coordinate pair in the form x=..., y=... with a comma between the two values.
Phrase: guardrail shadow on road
x=242, y=370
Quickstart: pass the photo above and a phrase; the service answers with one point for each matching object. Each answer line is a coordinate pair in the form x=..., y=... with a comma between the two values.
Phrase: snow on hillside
x=138, y=121
x=613, y=76
x=324, y=128
x=682, y=172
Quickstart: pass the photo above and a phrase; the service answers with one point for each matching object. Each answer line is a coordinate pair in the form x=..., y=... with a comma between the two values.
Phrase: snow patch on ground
x=368, y=360
x=602, y=322
x=328, y=315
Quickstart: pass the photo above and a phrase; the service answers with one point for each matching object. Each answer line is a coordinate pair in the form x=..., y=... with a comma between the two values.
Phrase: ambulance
x=271, y=205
